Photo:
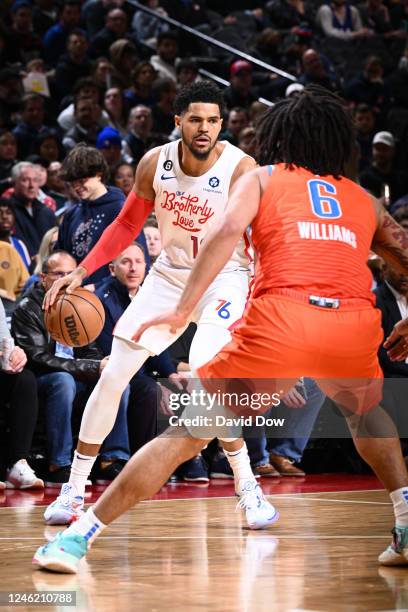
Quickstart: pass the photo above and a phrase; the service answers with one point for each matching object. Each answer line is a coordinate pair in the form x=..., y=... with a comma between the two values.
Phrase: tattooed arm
x=390, y=240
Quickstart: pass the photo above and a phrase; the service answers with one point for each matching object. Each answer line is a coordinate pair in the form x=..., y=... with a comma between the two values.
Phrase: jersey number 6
x=324, y=205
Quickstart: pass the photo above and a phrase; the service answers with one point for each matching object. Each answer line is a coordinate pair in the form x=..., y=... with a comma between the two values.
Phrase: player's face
x=200, y=126
x=130, y=267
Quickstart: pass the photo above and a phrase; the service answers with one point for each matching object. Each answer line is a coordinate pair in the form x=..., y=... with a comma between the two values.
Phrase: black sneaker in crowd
x=194, y=470
x=220, y=468
x=58, y=477
x=104, y=476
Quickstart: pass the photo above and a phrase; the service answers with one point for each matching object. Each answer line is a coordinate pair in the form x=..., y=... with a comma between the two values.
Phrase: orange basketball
x=76, y=318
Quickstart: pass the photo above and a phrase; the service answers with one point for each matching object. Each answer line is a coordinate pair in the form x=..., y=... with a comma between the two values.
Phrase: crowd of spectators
x=105, y=74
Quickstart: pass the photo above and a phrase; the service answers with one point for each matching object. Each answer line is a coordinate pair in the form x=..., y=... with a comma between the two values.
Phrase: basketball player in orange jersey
x=311, y=312
x=187, y=183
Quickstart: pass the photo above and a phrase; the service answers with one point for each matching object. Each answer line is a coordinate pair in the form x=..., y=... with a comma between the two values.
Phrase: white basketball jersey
x=188, y=206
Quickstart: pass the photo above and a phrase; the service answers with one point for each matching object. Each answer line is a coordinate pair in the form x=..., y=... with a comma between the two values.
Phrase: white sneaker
x=21, y=476
x=259, y=512
x=68, y=507
x=397, y=552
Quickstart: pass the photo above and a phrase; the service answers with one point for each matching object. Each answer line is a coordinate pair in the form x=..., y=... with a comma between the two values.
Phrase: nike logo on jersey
x=166, y=178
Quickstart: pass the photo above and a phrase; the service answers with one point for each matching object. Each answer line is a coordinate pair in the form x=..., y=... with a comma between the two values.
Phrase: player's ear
x=177, y=120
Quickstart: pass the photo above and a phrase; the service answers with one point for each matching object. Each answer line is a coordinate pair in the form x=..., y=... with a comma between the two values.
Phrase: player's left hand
x=172, y=318
x=397, y=341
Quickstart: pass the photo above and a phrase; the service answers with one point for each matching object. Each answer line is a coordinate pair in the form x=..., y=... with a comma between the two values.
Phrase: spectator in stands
x=146, y=27
x=237, y=120
x=141, y=90
x=115, y=105
x=375, y=16
x=124, y=58
x=381, y=172
x=139, y=131
x=84, y=88
x=153, y=239
x=11, y=91
x=13, y=273
x=286, y=14
x=392, y=301
x=18, y=406
x=186, y=71
x=398, y=81
x=162, y=111
x=60, y=370
x=22, y=35
x=8, y=156
x=240, y=92
x=109, y=143
x=86, y=126
x=341, y=20
x=315, y=73
x=94, y=13
x=116, y=26
x=7, y=223
x=246, y=141
x=368, y=87
x=33, y=218
x=45, y=15
x=266, y=46
x=123, y=177
x=364, y=121
x=86, y=169
x=31, y=125
x=55, y=186
x=164, y=62
x=49, y=147
x=47, y=245
x=55, y=39
x=102, y=73
x=73, y=65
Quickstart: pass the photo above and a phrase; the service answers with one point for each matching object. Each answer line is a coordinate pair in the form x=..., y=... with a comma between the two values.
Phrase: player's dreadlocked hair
x=199, y=91
x=313, y=130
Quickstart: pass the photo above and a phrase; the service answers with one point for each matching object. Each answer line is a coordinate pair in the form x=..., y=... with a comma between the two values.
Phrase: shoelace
x=251, y=499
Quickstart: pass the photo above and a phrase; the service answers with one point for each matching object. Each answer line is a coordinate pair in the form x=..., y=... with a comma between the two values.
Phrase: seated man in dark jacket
x=61, y=373
x=116, y=292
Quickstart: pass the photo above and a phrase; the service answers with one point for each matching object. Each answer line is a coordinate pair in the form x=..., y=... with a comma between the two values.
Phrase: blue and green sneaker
x=62, y=554
x=397, y=552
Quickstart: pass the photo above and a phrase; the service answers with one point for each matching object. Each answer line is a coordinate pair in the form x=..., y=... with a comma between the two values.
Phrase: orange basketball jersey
x=313, y=234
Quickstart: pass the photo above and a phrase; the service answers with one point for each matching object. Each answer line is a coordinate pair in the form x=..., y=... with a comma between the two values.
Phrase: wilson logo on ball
x=73, y=332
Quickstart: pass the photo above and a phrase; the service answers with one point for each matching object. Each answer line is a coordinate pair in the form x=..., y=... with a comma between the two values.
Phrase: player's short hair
x=199, y=91
x=82, y=162
x=313, y=130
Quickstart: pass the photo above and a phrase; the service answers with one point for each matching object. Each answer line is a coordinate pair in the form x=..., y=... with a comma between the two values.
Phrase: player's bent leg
x=97, y=421
x=146, y=472
x=384, y=456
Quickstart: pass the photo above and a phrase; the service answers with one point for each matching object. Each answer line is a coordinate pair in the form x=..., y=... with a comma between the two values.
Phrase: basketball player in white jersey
x=186, y=183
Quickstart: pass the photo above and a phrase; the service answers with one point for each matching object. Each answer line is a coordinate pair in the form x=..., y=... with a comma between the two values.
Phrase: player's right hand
x=71, y=281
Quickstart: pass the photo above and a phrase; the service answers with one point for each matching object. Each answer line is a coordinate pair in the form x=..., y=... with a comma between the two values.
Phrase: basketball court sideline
x=187, y=549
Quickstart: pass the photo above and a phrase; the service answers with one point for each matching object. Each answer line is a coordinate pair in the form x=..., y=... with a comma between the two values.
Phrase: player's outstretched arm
x=120, y=233
x=215, y=252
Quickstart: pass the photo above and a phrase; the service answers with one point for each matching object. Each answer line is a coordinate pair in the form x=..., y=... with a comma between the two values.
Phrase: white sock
x=80, y=469
x=241, y=466
x=399, y=498
x=88, y=526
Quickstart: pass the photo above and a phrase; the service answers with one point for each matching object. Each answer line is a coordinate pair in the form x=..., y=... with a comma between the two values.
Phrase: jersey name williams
x=311, y=230
x=188, y=212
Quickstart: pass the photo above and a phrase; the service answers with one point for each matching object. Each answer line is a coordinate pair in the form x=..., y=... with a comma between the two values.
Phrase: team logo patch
x=168, y=164
x=214, y=182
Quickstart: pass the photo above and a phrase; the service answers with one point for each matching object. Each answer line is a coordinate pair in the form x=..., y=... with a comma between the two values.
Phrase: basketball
x=75, y=319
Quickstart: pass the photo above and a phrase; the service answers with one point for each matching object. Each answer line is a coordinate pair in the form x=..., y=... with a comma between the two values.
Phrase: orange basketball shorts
x=282, y=337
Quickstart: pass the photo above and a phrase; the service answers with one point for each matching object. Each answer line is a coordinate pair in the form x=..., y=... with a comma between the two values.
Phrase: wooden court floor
x=196, y=555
